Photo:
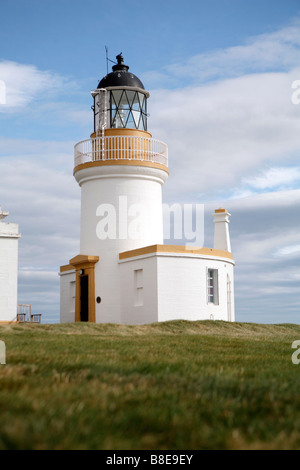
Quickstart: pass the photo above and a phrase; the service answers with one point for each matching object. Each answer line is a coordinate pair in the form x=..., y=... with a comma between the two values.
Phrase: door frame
x=86, y=264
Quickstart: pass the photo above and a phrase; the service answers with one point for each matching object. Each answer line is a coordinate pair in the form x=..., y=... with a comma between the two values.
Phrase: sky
x=224, y=83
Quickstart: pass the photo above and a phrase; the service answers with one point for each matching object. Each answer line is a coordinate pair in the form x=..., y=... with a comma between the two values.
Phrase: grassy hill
x=176, y=385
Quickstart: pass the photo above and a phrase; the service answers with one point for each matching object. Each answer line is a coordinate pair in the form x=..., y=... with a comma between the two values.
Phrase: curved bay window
x=128, y=108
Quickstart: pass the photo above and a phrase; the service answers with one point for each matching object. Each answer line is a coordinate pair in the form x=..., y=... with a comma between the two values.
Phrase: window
x=128, y=109
x=212, y=286
x=138, y=281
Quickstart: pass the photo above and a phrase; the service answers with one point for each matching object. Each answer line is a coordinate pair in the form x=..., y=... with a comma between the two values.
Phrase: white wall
x=67, y=296
x=138, y=307
x=175, y=288
x=133, y=188
x=8, y=271
x=182, y=288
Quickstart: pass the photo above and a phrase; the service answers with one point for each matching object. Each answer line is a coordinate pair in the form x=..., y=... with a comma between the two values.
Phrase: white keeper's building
x=9, y=237
x=124, y=272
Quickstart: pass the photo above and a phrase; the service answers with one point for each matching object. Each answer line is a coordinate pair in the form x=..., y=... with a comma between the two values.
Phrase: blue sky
x=220, y=77
x=68, y=36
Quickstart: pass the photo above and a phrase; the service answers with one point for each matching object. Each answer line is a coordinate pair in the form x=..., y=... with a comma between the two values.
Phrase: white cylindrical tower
x=121, y=170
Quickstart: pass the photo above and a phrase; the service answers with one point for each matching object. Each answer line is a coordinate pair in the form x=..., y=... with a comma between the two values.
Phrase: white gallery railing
x=120, y=148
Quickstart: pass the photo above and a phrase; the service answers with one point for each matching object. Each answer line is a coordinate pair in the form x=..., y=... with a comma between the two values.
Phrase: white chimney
x=221, y=238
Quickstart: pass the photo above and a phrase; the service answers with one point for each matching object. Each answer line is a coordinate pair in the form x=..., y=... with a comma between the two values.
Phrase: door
x=84, y=298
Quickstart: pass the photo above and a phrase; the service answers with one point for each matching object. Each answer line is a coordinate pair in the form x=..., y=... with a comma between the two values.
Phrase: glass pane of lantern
x=131, y=121
x=143, y=125
x=113, y=107
x=120, y=119
x=142, y=100
x=113, y=115
x=143, y=122
x=116, y=97
x=126, y=116
x=136, y=116
x=113, y=104
x=136, y=103
x=130, y=97
x=124, y=100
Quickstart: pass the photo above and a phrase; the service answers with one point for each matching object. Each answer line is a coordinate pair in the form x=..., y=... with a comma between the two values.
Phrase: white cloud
x=264, y=231
x=278, y=50
x=39, y=191
x=274, y=177
x=220, y=135
x=24, y=83
x=2, y=92
x=266, y=201
x=263, y=247
x=289, y=250
x=233, y=124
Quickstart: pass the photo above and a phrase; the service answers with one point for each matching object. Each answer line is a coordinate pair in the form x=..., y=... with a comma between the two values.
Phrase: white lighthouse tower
x=124, y=272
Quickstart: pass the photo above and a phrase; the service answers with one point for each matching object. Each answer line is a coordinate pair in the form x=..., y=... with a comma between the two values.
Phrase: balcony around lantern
x=122, y=148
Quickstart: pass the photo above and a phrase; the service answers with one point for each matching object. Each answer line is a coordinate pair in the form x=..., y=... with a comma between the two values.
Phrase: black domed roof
x=120, y=76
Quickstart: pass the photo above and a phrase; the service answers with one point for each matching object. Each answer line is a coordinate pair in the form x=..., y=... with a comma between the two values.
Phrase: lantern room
x=120, y=100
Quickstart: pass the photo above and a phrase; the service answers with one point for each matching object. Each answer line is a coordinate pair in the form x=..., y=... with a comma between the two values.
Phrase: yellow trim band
x=66, y=267
x=116, y=131
x=220, y=210
x=132, y=162
x=175, y=249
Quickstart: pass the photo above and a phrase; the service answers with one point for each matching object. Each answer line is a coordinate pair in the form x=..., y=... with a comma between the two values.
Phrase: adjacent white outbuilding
x=165, y=282
x=124, y=272
x=9, y=236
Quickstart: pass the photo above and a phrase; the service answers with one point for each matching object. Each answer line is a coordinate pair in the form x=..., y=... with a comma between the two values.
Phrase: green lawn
x=177, y=385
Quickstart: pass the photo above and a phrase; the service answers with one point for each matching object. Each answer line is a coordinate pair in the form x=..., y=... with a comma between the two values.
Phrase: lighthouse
x=124, y=272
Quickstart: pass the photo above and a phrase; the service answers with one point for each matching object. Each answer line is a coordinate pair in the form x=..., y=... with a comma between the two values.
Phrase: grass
x=177, y=385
